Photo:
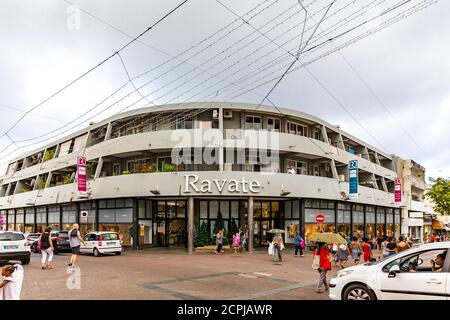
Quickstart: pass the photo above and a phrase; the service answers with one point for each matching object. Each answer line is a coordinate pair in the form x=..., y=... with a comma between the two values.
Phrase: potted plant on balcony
x=49, y=154
x=67, y=179
x=169, y=167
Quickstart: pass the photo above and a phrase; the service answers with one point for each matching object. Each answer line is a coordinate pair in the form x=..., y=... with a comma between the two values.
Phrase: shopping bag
x=302, y=244
x=270, y=250
x=316, y=262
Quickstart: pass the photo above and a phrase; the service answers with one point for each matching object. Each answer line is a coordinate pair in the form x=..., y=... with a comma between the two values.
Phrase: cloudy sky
x=394, y=82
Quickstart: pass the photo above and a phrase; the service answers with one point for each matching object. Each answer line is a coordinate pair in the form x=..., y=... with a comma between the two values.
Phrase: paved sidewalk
x=175, y=274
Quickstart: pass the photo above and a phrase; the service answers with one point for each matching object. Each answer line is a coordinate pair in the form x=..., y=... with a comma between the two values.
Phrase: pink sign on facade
x=397, y=190
x=81, y=176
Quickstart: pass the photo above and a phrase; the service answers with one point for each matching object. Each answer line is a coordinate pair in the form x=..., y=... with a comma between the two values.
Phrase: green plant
x=41, y=185
x=203, y=238
x=151, y=168
x=49, y=154
x=126, y=172
x=169, y=167
x=25, y=189
x=67, y=179
x=219, y=224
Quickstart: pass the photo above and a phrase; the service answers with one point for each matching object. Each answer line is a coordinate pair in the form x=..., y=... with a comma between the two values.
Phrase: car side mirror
x=393, y=271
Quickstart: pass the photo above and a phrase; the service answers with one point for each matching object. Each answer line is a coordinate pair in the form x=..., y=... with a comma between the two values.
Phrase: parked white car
x=14, y=247
x=407, y=275
x=98, y=243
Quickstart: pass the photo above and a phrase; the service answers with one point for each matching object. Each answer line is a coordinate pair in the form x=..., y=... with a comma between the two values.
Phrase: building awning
x=440, y=225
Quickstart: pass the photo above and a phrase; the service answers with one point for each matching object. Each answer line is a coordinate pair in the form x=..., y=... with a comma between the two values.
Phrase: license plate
x=11, y=247
x=110, y=243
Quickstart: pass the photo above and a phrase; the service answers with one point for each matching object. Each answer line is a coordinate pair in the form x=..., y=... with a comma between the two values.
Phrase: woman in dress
x=343, y=254
x=355, y=249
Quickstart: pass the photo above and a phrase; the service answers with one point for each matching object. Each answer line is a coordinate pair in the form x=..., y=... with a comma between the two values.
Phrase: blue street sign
x=353, y=179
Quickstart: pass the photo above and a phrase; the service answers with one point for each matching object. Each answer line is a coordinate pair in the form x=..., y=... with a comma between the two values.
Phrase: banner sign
x=2, y=220
x=353, y=179
x=397, y=190
x=81, y=176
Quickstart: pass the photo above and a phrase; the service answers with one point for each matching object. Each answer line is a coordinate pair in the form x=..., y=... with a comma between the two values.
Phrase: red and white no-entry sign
x=320, y=218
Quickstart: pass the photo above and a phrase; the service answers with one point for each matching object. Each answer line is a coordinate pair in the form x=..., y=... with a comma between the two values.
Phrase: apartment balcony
x=417, y=206
x=418, y=183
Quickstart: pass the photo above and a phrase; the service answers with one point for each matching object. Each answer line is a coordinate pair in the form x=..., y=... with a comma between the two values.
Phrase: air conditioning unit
x=228, y=114
x=341, y=177
x=326, y=167
x=215, y=114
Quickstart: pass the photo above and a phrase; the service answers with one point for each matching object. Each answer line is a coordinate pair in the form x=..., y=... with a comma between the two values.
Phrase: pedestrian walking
x=343, y=254
x=244, y=238
x=278, y=246
x=367, y=250
x=45, y=243
x=11, y=282
x=236, y=242
x=299, y=244
x=322, y=254
x=355, y=250
x=402, y=245
x=219, y=241
x=384, y=250
x=334, y=250
x=75, y=241
x=375, y=244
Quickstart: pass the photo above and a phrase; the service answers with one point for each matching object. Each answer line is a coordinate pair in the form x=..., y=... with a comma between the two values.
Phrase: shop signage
x=397, y=190
x=320, y=218
x=193, y=184
x=353, y=179
x=81, y=176
x=84, y=216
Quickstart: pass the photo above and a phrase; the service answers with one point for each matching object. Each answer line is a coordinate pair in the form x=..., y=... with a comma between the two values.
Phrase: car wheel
x=25, y=261
x=358, y=292
x=96, y=252
x=118, y=253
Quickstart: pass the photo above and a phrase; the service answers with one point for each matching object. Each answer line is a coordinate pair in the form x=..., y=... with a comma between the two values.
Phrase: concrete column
x=221, y=130
x=98, y=171
x=250, y=224
x=190, y=224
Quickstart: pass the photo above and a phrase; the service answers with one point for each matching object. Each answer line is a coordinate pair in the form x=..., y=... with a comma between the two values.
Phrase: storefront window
x=69, y=216
x=41, y=219
x=54, y=218
x=380, y=222
x=358, y=221
x=20, y=220
x=87, y=225
x=116, y=215
x=397, y=223
x=292, y=220
x=3, y=217
x=370, y=224
x=11, y=219
x=311, y=225
x=145, y=222
x=389, y=223
x=29, y=220
x=343, y=219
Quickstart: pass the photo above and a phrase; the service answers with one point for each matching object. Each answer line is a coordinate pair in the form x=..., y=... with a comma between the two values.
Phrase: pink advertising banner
x=397, y=190
x=81, y=176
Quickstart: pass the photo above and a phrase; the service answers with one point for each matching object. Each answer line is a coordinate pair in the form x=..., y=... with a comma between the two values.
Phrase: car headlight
x=343, y=273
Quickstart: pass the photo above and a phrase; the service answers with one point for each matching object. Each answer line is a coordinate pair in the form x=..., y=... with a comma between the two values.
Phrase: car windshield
x=372, y=263
x=11, y=236
x=63, y=235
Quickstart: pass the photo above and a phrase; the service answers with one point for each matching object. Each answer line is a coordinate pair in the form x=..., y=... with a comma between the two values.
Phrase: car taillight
x=29, y=239
x=100, y=240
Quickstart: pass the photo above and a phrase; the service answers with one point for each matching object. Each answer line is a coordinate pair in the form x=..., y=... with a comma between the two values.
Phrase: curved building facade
x=155, y=175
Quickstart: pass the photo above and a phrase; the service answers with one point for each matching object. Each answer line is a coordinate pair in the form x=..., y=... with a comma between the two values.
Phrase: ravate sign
x=193, y=184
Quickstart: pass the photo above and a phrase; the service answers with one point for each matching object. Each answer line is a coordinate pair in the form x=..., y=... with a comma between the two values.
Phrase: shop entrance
x=267, y=215
x=171, y=223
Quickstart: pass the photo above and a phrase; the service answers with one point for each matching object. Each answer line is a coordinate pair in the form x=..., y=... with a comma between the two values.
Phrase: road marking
x=274, y=291
x=246, y=275
x=262, y=274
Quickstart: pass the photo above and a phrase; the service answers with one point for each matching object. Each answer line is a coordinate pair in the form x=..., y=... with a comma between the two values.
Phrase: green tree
x=202, y=238
x=218, y=225
x=440, y=195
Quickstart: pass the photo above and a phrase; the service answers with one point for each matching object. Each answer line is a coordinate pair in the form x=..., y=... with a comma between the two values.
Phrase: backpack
x=74, y=233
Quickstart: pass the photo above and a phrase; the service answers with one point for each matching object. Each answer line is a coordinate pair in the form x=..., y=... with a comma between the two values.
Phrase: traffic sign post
x=84, y=216
x=320, y=218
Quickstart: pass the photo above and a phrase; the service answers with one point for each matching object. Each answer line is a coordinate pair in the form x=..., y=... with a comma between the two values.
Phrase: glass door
x=161, y=228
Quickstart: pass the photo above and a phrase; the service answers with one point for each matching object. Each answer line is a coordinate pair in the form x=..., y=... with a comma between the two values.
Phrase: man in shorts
x=75, y=242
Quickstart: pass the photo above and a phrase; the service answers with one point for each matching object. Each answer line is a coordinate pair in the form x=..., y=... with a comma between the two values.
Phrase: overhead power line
x=92, y=69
